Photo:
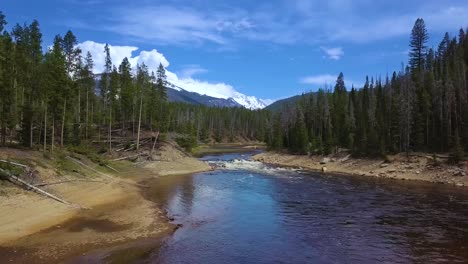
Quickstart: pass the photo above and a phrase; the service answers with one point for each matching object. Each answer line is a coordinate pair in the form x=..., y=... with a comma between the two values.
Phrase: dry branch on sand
x=16, y=180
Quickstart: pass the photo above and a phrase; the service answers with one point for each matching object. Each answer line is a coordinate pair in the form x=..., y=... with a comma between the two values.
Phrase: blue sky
x=269, y=49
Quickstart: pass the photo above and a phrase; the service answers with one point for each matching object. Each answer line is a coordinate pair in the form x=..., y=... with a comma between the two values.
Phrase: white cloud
x=118, y=53
x=323, y=79
x=177, y=24
x=280, y=21
x=333, y=53
x=327, y=81
x=189, y=71
x=152, y=59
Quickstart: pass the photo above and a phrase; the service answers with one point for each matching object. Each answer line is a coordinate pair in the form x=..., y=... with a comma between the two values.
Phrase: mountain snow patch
x=153, y=58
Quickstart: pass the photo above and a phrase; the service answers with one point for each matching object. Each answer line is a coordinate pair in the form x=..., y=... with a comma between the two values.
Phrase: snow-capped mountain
x=177, y=94
x=238, y=99
x=250, y=102
x=220, y=93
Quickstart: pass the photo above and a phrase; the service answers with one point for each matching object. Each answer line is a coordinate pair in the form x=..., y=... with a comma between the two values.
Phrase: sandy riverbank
x=417, y=167
x=35, y=227
x=173, y=162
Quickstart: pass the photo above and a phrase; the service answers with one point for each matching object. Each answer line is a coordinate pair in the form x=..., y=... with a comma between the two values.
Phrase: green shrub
x=187, y=142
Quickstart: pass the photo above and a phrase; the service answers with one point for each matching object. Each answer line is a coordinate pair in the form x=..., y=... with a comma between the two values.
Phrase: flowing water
x=248, y=212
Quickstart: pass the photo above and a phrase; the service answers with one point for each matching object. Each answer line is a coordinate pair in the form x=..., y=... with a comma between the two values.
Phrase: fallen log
x=154, y=143
x=127, y=157
x=14, y=163
x=12, y=178
x=105, y=175
x=88, y=167
x=111, y=168
x=67, y=181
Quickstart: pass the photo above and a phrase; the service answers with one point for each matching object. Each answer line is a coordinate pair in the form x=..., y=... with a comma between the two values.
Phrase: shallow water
x=248, y=212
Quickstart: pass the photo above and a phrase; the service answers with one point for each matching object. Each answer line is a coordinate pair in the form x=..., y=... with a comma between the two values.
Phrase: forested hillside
x=49, y=97
x=422, y=107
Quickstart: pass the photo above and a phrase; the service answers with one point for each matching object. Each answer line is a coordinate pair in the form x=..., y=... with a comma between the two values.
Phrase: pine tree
x=418, y=46
x=3, y=22
x=161, y=83
x=300, y=144
x=6, y=82
x=54, y=95
x=406, y=112
x=87, y=82
x=277, y=140
x=143, y=81
x=340, y=102
x=106, y=95
x=72, y=56
x=127, y=92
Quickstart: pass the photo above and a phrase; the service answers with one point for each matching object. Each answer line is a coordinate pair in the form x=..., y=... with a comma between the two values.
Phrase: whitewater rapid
x=250, y=165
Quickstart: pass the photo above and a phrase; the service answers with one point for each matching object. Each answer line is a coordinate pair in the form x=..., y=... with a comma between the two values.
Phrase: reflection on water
x=246, y=216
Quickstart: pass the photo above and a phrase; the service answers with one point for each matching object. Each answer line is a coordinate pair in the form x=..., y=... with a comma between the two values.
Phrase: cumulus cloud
x=152, y=59
x=279, y=21
x=189, y=71
x=323, y=79
x=333, y=53
x=118, y=53
x=177, y=25
x=327, y=80
x=218, y=90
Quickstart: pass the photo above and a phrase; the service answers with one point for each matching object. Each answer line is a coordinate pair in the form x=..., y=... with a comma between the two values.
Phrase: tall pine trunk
x=31, y=133
x=133, y=119
x=63, y=123
x=45, y=129
x=139, y=124
x=87, y=114
x=79, y=105
x=110, y=130
x=53, y=136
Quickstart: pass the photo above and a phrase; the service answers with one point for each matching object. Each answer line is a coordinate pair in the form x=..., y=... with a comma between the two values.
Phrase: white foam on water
x=250, y=165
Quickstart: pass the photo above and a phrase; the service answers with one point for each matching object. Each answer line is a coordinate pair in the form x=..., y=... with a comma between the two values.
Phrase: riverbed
x=248, y=212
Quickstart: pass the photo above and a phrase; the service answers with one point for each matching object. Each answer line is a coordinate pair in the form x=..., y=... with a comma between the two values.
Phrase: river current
x=249, y=212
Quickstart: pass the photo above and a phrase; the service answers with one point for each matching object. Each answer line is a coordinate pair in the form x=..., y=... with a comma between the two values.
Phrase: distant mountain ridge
x=179, y=94
x=290, y=101
x=237, y=100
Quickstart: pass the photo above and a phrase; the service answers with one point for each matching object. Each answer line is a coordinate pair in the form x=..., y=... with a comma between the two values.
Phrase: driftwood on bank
x=16, y=180
x=127, y=157
x=109, y=167
x=14, y=163
x=105, y=175
x=154, y=143
x=429, y=156
x=66, y=181
x=88, y=167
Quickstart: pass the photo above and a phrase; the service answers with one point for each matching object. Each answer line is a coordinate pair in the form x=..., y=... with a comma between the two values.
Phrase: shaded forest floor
x=109, y=193
x=418, y=166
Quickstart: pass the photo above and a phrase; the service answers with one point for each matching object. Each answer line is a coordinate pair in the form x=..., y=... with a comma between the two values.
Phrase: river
x=248, y=212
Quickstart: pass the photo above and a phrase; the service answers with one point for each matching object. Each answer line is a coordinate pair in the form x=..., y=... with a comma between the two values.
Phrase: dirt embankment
x=224, y=148
x=171, y=161
x=417, y=167
x=33, y=226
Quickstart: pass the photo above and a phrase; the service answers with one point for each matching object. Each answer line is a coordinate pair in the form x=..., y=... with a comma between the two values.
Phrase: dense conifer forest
x=51, y=98
x=422, y=107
